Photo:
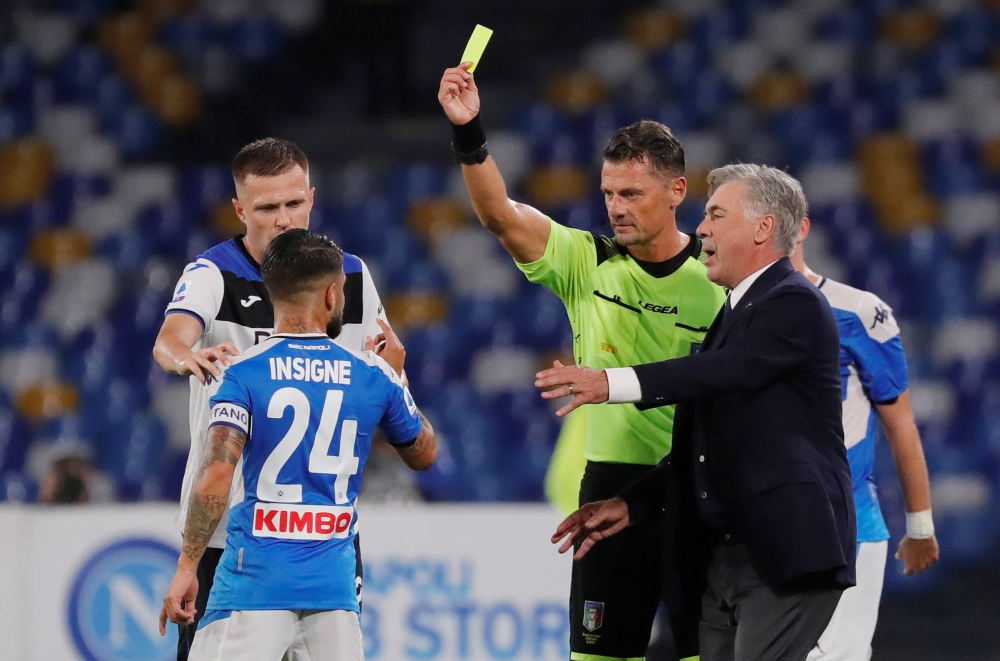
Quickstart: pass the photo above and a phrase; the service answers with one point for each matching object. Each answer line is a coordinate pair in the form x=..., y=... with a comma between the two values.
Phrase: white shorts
x=277, y=635
x=848, y=637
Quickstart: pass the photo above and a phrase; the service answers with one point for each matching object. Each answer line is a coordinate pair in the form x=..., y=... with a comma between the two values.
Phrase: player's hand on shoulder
x=459, y=95
x=917, y=554
x=387, y=345
x=206, y=361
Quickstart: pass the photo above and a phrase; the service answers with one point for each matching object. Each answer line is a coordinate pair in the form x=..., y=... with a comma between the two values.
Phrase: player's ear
x=331, y=296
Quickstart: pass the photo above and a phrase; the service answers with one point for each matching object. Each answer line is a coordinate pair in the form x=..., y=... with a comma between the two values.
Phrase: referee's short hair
x=268, y=158
x=769, y=191
x=298, y=261
x=650, y=142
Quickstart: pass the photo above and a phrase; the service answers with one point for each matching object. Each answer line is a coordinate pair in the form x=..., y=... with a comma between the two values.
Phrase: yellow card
x=477, y=44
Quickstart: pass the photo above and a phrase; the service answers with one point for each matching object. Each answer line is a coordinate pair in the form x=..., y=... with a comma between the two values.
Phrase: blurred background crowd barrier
x=118, y=120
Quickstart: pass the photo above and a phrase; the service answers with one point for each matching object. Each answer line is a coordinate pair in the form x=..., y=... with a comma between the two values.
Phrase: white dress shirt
x=623, y=383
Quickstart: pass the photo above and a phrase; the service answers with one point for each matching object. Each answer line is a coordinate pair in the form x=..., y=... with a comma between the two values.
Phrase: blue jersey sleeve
x=231, y=404
x=872, y=339
x=401, y=421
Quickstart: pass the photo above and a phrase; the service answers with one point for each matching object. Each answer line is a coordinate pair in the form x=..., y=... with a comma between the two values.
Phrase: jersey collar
x=303, y=336
x=238, y=239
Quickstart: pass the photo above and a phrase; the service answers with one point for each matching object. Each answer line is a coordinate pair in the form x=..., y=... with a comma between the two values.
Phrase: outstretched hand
x=387, y=345
x=585, y=384
x=459, y=95
x=590, y=524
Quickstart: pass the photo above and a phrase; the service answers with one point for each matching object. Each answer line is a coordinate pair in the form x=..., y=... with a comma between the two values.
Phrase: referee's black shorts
x=616, y=587
x=206, y=576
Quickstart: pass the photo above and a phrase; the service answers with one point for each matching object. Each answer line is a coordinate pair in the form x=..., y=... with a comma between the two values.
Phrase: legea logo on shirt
x=302, y=521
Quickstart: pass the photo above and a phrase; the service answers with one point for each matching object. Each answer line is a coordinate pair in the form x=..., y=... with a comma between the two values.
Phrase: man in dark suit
x=758, y=488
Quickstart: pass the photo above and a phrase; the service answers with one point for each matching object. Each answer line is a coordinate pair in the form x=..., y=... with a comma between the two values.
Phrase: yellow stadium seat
x=889, y=180
x=225, y=222
x=59, y=247
x=777, y=90
x=160, y=10
x=26, y=168
x=47, y=400
x=179, y=100
x=415, y=309
x=577, y=92
x=697, y=181
x=991, y=155
x=912, y=28
x=434, y=216
x=546, y=359
x=653, y=29
x=557, y=184
x=149, y=71
x=907, y=212
x=126, y=35
x=888, y=147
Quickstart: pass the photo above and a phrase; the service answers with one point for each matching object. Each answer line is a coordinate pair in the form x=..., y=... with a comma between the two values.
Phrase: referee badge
x=593, y=615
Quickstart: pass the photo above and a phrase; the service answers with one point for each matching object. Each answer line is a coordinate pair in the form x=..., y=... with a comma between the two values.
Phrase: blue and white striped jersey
x=872, y=369
x=309, y=407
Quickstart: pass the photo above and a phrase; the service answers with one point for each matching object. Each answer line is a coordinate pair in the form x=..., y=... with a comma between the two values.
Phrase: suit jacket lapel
x=761, y=285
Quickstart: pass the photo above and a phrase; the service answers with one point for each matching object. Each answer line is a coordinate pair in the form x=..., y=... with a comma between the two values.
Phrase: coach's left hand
x=178, y=603
x=585, y=384
x=917, y=554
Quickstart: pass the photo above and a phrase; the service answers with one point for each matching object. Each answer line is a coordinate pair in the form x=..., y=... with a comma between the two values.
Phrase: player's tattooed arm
x=422, y=454
x=211, y=488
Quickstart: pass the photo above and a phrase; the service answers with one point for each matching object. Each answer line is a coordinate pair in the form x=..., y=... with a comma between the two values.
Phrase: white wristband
x=919, y=525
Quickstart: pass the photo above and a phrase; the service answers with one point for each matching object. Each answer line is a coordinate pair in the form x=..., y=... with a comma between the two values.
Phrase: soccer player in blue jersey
x=873, y=370
x=300, y=411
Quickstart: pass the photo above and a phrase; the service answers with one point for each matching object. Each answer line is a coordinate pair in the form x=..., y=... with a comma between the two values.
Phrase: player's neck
x=298, y=321
x=799, y=263
x=666, y=246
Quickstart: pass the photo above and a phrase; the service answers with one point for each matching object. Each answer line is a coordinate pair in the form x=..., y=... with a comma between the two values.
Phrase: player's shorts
x=616, y=587
x=301, y=635
x=206, y=576
x=848, y=637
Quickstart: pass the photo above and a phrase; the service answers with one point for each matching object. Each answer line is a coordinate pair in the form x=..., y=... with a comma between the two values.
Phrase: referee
x=221, y=308
x=639, y=297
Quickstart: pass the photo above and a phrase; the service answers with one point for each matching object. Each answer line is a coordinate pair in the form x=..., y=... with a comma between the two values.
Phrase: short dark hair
x=268, y=158
x=647, y=141
x=297, y=260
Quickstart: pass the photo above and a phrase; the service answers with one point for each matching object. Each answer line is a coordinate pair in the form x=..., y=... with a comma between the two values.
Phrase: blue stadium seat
x=168, y=225
x=707, y=95
x=415, y=274
x=256, y=39
x=106, y=409
x=15, y=122
x=111, y=98
x=86, y=12
x=366, y=224
x=797, y=126
x=13, y=243
x=190, y=35
x=541, y=319
x=80, y=71
x=15, y=437
x=17, y=72
x=714, y=30
x=206, y=186
x=328, y=218
x=131, y=452
x=23, y=293
x=142, y=314
x=945, y=61
x=679, y=65
x=976, y=31
x=127, y=250
x=16, y=487
x=566, y=148
x=138, y=132
x=905, y=88
x=415, y=181
x=673, y=114
x=476, y=317
x=589, y=215
x=538, y=121
x=67, y=191
x=853, y=25
x=825, y=147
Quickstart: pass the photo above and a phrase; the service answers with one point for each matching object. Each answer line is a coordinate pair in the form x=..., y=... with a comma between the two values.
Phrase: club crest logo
x=593, y=615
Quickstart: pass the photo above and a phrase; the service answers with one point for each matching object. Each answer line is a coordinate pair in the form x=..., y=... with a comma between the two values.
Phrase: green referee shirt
x=625, y=312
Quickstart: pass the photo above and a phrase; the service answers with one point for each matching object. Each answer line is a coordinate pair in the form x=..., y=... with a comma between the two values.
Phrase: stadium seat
x=563, y=149
x=416, y=309
x=81, y=293
x=777, y=90
x=617, y=62
x=126, y=251
x=26, y=168
x=126, y=35
x=437, y=216
x=576, y=92
x=496, y=369
x=408, y=183
x=17, y=72
x=178, y=100
x=131, y=454
x=975, y=30
x=256, y=39
x=58, y=248
x=80, y=71
x=224, y=221
x=18, y=488
x=46, y=400
x=15, y=437
x=678, y=65
x=138, y=132
x=189, y=35
x=557, y=185
x=653, y=29
x=912, y=28
x=148, y=70
x=47, y=35
x=15, y=122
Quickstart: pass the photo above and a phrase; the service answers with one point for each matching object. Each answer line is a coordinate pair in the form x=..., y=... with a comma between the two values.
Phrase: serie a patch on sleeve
x=233, y=415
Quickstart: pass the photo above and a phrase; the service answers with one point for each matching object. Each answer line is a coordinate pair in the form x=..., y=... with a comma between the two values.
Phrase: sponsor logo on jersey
x=302, y=521
x=881, y=316
x=248, y=301
x=311, y=370
x=116, y=598
x=230, y=414
x=181, y=291
x=609, y=348
x=662, y=309
x=309, y=347
x=593, y=615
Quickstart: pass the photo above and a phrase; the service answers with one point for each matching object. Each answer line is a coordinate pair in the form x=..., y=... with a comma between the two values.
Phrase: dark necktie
x=727, y=310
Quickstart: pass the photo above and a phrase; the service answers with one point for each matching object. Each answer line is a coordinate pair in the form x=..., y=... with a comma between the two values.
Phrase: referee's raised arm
x=522, y=229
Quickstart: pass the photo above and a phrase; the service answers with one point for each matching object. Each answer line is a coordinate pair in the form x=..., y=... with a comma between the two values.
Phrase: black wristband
x=469, y=142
